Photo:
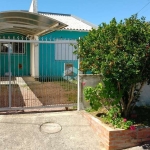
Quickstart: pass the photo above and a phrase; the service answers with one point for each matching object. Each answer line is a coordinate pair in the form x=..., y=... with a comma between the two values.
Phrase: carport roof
x=28, y=23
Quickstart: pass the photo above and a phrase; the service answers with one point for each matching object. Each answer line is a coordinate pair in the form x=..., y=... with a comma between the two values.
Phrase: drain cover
x=50, y=128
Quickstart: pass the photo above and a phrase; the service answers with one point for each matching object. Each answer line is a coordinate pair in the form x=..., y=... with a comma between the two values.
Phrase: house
x=62, y=56
x=37, y=66
x=40, y=60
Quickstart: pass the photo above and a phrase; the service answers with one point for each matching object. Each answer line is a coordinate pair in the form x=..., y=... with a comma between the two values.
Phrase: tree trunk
x=127, y=112
x=132, y=97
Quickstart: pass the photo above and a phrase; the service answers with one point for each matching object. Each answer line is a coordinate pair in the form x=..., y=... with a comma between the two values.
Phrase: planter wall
x=117, y=139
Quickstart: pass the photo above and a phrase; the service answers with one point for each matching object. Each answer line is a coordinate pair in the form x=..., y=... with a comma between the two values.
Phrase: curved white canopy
x=28, y=23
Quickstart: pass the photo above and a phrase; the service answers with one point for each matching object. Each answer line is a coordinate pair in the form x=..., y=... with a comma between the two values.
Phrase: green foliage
x=114, y=117
x=89, y=109
x=120, y=53
x=91, y=95
x=102, y=96
x=105, y=97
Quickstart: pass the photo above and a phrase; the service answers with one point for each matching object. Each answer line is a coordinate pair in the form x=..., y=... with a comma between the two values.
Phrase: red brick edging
x=117, y=139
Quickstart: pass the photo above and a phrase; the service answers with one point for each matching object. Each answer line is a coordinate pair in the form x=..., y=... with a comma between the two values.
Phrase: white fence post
x=9, y=70
x=78, y=101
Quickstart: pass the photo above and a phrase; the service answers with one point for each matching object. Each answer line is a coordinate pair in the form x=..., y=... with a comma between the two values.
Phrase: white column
x=34, y=58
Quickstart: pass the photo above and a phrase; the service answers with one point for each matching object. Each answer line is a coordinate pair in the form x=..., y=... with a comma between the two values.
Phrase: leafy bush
x=120, y=53
x=114, y=117
x=102, y=96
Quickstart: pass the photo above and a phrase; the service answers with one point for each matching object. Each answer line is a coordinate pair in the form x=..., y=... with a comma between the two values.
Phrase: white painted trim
x=37, y=41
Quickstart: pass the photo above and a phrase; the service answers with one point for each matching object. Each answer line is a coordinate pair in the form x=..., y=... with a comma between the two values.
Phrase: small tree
x=120, y=53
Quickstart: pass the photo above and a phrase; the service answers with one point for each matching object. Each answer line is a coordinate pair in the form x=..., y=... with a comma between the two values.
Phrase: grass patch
x=68, y=86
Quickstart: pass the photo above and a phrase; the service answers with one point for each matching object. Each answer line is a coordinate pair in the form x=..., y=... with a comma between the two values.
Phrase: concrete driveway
x=24, y=132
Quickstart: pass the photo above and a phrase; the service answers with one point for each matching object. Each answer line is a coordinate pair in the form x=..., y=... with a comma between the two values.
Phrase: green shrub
x=120, y=53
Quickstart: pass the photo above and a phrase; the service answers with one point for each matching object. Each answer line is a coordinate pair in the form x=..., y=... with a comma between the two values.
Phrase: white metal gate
x=37, y=74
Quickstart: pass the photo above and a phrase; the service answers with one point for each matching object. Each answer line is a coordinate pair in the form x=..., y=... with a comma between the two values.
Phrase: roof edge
x=88, y=23
x=78, y=30
x=54, y=13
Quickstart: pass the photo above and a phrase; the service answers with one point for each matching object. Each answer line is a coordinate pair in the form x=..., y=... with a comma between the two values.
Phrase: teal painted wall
x=48, y=66
x=16, y=59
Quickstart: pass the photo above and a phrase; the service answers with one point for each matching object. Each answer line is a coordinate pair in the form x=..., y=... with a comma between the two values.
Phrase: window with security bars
x=64, y=51
x=17, y=48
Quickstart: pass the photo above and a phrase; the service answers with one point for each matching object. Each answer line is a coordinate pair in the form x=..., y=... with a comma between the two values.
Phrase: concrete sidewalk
x=22, y=132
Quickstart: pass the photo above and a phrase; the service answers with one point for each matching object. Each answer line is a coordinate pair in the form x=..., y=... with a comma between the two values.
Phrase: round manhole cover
x=50, y=128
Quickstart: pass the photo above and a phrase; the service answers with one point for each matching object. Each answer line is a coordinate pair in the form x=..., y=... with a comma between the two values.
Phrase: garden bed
x=117, y=139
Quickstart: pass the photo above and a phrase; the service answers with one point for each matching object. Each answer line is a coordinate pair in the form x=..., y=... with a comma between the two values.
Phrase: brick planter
x=117, y=139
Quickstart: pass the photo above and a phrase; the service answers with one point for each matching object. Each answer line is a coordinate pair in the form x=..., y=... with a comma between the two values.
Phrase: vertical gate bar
x=62, y=68
x=0, y=77
x=72, y=72
x=67, y=61
x=59, y=53
x=55, y=73
x=25, y=51
x=21, y=69
x=19, y=81
x=9, y=68
x=65, y=56
x=46, y=74
x=17, y=70
x=51, y=97
x=59, y=99
x=6, y=96
x=11, y=56
x=22, y=54
x=49, y=50
x=72, y=63
x=14, y=75
x=18, y=59
x=78, y=89
x=26, y=74
x=42, y=70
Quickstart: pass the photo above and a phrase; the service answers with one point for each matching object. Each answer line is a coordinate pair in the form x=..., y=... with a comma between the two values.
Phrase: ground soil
x=28, y=92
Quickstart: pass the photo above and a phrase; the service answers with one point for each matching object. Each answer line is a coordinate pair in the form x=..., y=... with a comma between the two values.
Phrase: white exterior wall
x=145, y=96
